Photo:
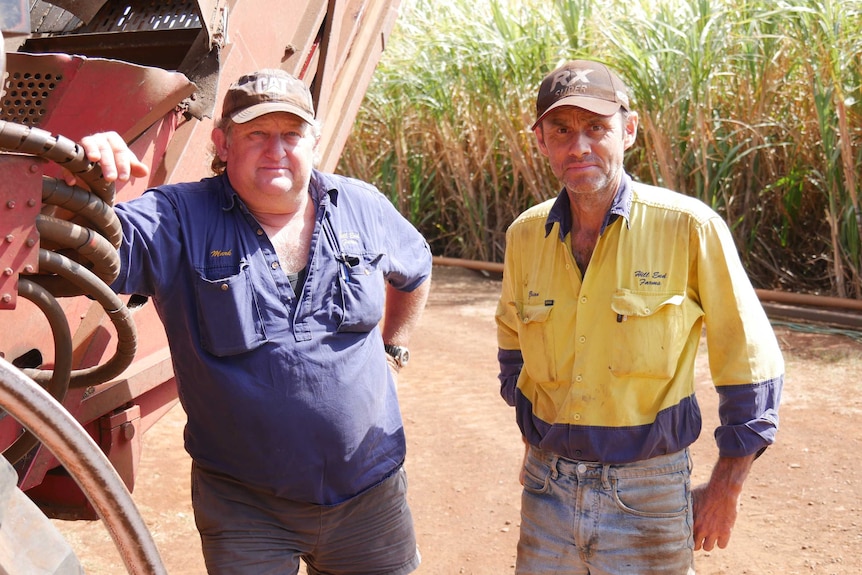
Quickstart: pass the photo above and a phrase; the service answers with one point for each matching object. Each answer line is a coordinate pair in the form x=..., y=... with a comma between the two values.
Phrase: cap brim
x=594, y=105
x=259, y=110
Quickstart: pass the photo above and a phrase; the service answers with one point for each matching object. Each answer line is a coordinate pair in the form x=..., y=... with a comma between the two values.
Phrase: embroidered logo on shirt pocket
x=228, y=314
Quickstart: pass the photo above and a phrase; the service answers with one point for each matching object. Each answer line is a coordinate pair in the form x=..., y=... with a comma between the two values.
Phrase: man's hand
x=117, y=161
x=715, y=504
x=393, y=366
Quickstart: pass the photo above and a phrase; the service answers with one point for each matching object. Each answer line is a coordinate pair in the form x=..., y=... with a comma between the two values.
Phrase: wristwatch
x=400, y=354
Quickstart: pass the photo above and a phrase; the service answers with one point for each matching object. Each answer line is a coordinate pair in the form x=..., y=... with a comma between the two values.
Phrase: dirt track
x=800, y=511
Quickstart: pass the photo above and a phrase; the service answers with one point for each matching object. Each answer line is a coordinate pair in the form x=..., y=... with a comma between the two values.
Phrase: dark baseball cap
x=266, y=91
x=582, y=83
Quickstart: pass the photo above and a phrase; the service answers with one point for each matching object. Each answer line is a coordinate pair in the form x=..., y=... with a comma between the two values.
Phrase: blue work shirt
x=291, y=395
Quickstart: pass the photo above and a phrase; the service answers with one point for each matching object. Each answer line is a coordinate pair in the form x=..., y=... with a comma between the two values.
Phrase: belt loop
x=606, y=484
x=554, y=472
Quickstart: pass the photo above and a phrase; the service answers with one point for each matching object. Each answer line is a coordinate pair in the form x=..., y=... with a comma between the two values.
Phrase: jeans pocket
x=537, y=475
x=659, y=496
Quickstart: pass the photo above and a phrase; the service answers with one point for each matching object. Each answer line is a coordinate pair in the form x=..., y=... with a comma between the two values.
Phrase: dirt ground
x=800, y=511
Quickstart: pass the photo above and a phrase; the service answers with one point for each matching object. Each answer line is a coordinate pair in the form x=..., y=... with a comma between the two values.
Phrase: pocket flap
x=534, y=313
x=629, y=303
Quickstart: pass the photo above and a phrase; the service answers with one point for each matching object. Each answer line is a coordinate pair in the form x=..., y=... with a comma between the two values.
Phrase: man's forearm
x=403, y=311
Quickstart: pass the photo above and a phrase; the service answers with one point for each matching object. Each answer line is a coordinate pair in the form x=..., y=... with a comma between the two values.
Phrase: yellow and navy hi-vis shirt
x=601, y=367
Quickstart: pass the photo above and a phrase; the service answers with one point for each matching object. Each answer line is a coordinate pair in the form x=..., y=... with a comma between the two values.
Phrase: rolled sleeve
x=748, y=416
x=511, y=361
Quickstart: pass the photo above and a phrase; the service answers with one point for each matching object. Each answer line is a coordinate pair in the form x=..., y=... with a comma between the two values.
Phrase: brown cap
x=582, y=83
x=267, y=91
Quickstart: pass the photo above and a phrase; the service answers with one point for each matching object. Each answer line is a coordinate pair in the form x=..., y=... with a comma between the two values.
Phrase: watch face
x=400, y=354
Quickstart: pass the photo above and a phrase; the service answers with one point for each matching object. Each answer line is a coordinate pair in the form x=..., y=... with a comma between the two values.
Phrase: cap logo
x=270, y=85
x=571, y=81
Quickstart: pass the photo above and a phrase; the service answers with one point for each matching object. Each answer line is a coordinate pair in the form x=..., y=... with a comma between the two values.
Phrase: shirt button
x=579, y=378
x=259, y=232
x=224, y=287
x=275, y=265
x=582, y=339
x=582, y=468
x=584, y=299
x=576, y=417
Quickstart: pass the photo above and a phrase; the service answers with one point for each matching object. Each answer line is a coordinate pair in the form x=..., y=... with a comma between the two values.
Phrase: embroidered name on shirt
x=351, y=242
x=220, y=253
x=646, y=278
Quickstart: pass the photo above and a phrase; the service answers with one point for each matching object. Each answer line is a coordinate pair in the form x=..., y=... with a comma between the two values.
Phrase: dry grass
x=752, y=106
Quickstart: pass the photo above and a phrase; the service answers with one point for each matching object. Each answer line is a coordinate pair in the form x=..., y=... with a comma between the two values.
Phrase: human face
x=269, y=160
x=585, y=150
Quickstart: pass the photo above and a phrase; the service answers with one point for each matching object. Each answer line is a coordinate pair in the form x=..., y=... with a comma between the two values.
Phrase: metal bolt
x=8, y=272
x=28, y=269
x=7, y=298
x=31, y=242
x=33, y=168
x=10, y=238
x=10, y=204
x=128, y=430
x=31, y=202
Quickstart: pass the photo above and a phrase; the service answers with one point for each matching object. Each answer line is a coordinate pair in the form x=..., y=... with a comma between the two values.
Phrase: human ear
x=540, y=139
x=219, y=139
x=631, y=129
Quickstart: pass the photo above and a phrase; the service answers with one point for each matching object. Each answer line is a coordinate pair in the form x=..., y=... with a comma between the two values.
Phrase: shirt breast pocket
x=359, y=293
x=649, y=336
x=538, y=345
x=228, y=313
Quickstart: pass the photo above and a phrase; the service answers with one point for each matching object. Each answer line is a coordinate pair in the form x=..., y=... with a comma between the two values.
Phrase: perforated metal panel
x=143, y=15
x=145, y=32
x=118, y=17
x=26, y=95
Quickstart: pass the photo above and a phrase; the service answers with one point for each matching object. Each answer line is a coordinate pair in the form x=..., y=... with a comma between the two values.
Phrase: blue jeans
x=580, y=518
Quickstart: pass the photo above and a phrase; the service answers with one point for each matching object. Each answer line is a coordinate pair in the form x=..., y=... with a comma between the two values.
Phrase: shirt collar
x=561, y=212
x=318, y=187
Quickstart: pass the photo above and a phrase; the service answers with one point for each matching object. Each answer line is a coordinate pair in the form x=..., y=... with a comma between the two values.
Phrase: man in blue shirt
x=272, y=279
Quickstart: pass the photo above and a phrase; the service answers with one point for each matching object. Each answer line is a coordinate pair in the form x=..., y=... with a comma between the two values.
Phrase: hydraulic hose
x=60, y=150
x=70, y=156
x=85, y=242
x=117, y=311
x=56, y=381
x=82, y=203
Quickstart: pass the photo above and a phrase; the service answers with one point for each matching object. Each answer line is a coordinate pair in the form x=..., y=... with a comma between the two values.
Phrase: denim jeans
x=580, y=518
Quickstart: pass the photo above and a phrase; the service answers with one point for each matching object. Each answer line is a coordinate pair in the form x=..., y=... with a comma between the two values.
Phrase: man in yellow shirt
x=606, y=291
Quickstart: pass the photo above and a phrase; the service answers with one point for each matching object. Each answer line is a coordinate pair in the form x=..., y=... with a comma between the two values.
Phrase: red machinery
x=154, y=72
